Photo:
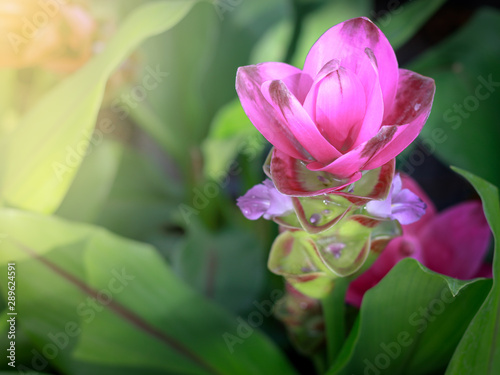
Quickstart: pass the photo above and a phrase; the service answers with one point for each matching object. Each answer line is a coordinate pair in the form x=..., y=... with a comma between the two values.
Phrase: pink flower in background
x=453, y=242
x=350, y=108
x=264, y=200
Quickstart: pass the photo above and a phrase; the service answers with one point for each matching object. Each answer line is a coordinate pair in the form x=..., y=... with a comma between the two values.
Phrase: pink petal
x=412, y=108
x=263, y=116
x=291, y=177
x=374, y=99
x=291, y=113
x=337, y=104
x=456, y=241
x=354, y=161
x=343, y=41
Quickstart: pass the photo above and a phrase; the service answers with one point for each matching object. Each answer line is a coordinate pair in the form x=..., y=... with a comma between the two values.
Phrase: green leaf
x=463, y=129
x=410, y=323
x=109, y=304
x=479, y=349
x=124, y=191
x=40, y=158
x=273, y=46
x=92, y=184
x=143, y=203
x=177, y=103
x=400, y=23
x=324, y=18
x=227, y=267
x=334, y=312
x=231, y=133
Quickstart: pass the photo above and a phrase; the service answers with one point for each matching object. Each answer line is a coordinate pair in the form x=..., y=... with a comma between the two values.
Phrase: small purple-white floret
x=264, y=200
x=400, y=204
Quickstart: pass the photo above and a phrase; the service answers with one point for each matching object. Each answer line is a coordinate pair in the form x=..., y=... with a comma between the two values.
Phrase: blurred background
x=123, y=146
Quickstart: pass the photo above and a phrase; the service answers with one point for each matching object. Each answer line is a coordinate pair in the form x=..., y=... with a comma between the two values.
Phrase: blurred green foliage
x=152, y=189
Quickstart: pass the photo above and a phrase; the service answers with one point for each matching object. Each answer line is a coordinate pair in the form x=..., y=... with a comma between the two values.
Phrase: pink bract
x=350, y=109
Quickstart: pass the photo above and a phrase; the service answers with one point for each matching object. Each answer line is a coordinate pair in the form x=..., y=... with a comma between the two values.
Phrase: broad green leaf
x=410, y=323
x=40, y=158
x=143, y=203
x=92, y=183
x=109, y=304
x=400, y=22
x=240, y=29
x=227, y=267
x=463, y=129
x=177, y=102
x=124, y=191
x=479, y=349
x=231, y=133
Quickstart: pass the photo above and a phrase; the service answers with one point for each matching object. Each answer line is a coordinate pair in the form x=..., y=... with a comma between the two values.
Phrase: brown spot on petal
x=248, y=82
x=379, y=245
x=288, y=246
x=371, y=56
x=306, y=278
x=340, y=82
x=353, y=27
x=366, y=221
x=279, y=94
x=379, y=141
x=414, y=95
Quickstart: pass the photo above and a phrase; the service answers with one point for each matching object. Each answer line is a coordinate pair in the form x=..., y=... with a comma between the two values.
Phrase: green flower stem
x=334, y=313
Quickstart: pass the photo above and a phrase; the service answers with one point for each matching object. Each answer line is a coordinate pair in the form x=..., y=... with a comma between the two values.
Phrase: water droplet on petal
x=335, y=249
x=315, y=219
x=323, y=180
x=327, y=212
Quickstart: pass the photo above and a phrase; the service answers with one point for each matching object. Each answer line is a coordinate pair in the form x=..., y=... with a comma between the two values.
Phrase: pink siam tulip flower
x=350, y=109
x=264, y=200
x=453, y=242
